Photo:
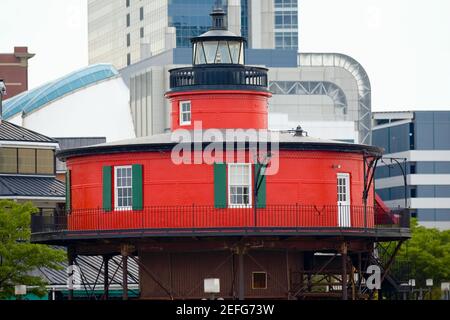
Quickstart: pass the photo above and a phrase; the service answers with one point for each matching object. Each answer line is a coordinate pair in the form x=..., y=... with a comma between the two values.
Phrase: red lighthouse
x=221, y=197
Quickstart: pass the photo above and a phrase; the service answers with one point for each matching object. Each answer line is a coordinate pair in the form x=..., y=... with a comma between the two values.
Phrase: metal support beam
x=387, y=267
x=153, y=277
x=369, y=169
x=360, y=273
x=344, y=271
x=308, y=286
x=106, y=277
x=125, y=277
x=241, y=274
x=125, y=253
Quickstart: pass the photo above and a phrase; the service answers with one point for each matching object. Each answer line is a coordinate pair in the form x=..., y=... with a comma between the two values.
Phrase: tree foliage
x=426, y=255
x=18, y=257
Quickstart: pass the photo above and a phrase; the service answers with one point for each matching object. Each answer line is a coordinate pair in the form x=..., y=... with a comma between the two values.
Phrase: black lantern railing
x=229, y=77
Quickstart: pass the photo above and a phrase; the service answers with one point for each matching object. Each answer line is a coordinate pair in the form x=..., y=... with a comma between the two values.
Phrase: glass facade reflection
x=286, y=24
x=422, y=138
x=191, y=18
x=244, y=20
x=123, y=35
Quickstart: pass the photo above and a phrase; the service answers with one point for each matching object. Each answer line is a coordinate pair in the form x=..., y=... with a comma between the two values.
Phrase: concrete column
x=234, y=16
x=262, y=24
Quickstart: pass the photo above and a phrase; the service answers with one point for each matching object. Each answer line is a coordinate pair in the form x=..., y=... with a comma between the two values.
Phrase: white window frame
x=346, y=194
x=344, y=210
x=116, y=189
x=250, y=184
x=180, y=106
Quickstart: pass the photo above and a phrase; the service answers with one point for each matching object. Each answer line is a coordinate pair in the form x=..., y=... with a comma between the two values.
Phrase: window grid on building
x=123, y=188
x=239, y=185
x=185, y=113
x=342, y=191
x=27, y=161
x=286, y=24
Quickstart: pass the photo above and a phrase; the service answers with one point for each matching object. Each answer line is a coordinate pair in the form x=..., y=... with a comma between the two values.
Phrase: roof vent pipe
x=2, y=93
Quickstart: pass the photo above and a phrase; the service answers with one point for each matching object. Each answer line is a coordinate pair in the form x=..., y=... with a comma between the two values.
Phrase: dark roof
x=166, y=141
x=39, y=187
x=89, y=266
x=12, y=132
x=70, y=143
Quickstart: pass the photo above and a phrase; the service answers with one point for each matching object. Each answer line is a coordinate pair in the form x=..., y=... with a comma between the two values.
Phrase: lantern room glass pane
x=199, y=54
x=210, y=48
x=235, y=49
x=223, y=54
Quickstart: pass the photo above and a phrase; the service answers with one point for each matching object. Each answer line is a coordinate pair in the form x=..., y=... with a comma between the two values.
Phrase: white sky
x=404, y=45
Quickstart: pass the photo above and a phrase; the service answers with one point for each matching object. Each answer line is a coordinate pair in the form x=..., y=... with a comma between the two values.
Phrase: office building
x=419, y=140
x=125, y=32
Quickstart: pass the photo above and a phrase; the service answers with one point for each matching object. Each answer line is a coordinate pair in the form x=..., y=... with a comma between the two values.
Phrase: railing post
x=193, y=217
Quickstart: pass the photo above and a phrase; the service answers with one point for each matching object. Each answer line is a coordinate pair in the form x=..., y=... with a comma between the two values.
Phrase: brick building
x=14, y=70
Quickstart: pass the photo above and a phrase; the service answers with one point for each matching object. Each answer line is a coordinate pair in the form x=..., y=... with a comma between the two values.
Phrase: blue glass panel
x=442, y=191
x=442, y=167
x=425, y=192
x=425, y=167
x=34, y=99
x=426, y=214
x=399, y=138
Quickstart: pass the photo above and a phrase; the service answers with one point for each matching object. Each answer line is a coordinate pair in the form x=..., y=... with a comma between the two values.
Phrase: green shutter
x=137, y=187
x=220, y=185
x=107, y=188
x=68, y=194
x=262, y=192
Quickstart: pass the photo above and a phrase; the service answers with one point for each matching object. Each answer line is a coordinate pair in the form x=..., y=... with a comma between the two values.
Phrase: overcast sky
x=404, y=45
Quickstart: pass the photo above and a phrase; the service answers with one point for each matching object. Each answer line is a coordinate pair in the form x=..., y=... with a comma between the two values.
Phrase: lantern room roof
x=166, y=141
x=215, y=35
x=219, y=30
